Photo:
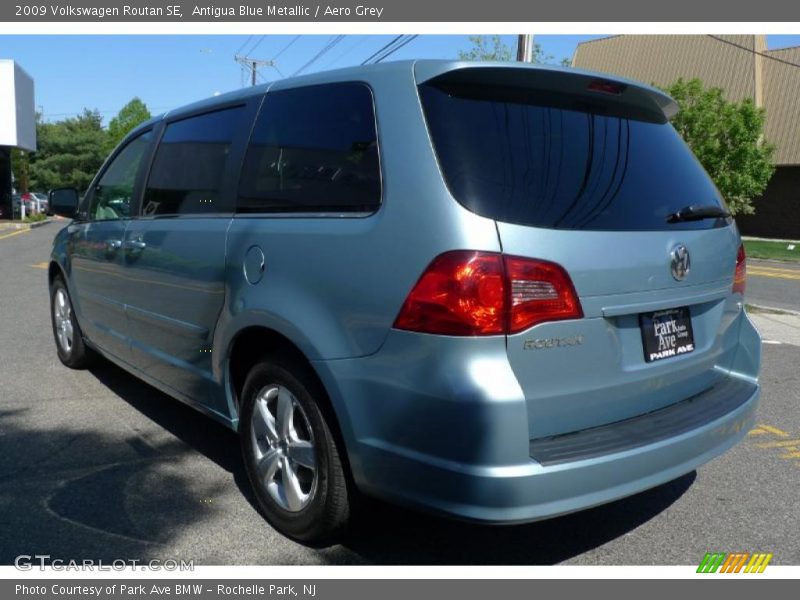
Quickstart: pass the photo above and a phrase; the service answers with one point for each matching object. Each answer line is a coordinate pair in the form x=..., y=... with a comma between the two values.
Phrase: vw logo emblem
x=680, y=262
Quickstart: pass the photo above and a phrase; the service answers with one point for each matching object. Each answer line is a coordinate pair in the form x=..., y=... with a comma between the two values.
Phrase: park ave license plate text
x=666, y=333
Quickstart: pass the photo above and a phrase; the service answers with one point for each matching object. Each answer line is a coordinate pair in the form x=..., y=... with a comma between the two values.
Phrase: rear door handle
x=136, y=244
x=114, y=244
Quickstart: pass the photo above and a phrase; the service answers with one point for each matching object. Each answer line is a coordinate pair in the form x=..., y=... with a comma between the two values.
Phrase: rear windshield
x=508, y=157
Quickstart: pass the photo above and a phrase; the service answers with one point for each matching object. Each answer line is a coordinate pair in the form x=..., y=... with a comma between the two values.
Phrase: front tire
x=290, y=453
x=72, y=350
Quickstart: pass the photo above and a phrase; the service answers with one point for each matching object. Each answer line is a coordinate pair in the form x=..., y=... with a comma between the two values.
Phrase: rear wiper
x=698, y=213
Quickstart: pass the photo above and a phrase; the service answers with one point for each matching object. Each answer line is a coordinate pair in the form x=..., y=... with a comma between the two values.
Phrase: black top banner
x=406, y=11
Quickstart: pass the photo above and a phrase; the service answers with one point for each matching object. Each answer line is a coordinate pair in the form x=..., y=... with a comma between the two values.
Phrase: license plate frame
x=666, y=333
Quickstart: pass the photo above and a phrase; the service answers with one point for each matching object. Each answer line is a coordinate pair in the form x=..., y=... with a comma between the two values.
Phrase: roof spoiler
x=567, y=87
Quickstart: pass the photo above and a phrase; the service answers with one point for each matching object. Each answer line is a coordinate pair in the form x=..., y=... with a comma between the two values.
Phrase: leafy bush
x=727, y=138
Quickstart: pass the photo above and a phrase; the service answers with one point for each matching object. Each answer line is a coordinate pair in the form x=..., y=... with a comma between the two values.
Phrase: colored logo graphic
x=737, y=562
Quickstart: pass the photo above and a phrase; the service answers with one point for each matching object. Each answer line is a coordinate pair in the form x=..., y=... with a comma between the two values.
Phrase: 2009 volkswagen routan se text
x=494, y=291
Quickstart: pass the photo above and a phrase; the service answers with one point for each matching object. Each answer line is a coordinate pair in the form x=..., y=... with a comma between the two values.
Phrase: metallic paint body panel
x=443, y=423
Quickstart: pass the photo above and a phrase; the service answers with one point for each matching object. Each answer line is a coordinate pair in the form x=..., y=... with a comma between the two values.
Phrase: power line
x=389, y=45
x=352, y=47
x=756, y=52
x=287, y=46
x=327, y=48
x=252, y=65
x=247, y=41
x=390, y=48
x=396, y=48
x=387, y=52
x=257, y=44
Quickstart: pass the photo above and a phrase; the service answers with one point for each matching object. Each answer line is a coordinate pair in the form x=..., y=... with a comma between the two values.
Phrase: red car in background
x=35, y=202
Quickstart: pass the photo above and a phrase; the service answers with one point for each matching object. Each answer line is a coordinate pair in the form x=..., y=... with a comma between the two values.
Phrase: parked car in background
x=35, y=202
x=30, y=203
x=42, y=205
x=495, y=291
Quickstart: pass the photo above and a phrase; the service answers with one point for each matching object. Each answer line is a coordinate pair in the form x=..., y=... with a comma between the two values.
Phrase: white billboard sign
x=17, y=107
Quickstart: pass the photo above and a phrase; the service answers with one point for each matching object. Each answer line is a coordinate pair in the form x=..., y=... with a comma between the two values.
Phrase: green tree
x=19, y=167
x=727, y=138
x=129, y=116
x=493, y=48
x=484, y=48
x=69, y=152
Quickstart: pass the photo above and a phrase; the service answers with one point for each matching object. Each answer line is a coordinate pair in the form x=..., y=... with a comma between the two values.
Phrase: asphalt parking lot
x=95, y=464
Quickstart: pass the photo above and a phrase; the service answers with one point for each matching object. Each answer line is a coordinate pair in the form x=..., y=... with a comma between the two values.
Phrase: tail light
x=473, y=293
x=540, y=291
x=740, y=275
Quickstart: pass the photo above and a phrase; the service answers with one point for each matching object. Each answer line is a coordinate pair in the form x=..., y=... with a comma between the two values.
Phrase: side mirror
x=63, y=202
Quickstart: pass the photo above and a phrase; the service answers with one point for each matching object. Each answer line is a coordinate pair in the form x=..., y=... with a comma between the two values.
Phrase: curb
x=12, y=226
x=763, y=239
x=774, y=310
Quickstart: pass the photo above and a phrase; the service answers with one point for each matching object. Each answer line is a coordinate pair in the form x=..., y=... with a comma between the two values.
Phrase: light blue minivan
x=495, y=291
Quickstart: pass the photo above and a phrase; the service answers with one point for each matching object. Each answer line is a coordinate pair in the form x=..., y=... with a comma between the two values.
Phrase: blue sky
x=105, y=72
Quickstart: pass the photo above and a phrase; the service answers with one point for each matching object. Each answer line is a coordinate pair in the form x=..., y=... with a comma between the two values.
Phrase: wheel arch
x=256, y=343
x=53, y=271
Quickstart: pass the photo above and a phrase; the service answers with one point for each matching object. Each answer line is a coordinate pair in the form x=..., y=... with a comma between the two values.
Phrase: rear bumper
x=442, y=424
x=535, y=491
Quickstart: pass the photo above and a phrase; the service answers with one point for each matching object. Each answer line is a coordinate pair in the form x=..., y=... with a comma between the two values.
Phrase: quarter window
x=113, y=193
x=313, y=149
x=190, y=164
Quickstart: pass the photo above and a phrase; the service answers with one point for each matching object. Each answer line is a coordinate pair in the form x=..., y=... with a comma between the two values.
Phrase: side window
x=114, y=192
x=189, y=166
x=313, y=149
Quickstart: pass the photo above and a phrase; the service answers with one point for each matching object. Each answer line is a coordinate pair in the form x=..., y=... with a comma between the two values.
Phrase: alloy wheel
x=62, y=312
x=283, y=446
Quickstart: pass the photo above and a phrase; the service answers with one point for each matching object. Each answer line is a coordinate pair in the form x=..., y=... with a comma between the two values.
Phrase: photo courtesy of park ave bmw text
x=350, y=299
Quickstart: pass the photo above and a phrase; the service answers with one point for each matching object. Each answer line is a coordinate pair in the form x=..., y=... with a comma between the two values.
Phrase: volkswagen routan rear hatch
x=600, y=206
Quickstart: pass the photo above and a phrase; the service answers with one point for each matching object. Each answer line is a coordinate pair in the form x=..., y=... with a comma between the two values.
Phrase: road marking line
x=774, y=430
x=41, y=265
x=791, y=448
x=775, y=270
x=758, y=273
x=773, y=342
x=781, y=444
x=781, y=269
x=18, y=232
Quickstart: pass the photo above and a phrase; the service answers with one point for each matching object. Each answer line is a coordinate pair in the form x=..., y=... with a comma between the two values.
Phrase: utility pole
x=525, y=47
x=253, y=65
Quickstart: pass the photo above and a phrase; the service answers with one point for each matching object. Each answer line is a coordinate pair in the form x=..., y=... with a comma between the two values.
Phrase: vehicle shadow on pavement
x=215, y=441
x=391, y=535
x=70, y=490
x=382, y=533
x=197, y=431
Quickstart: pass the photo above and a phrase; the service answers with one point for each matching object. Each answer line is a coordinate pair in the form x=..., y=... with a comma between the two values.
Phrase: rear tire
x=290, y=453
x=72, y=350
